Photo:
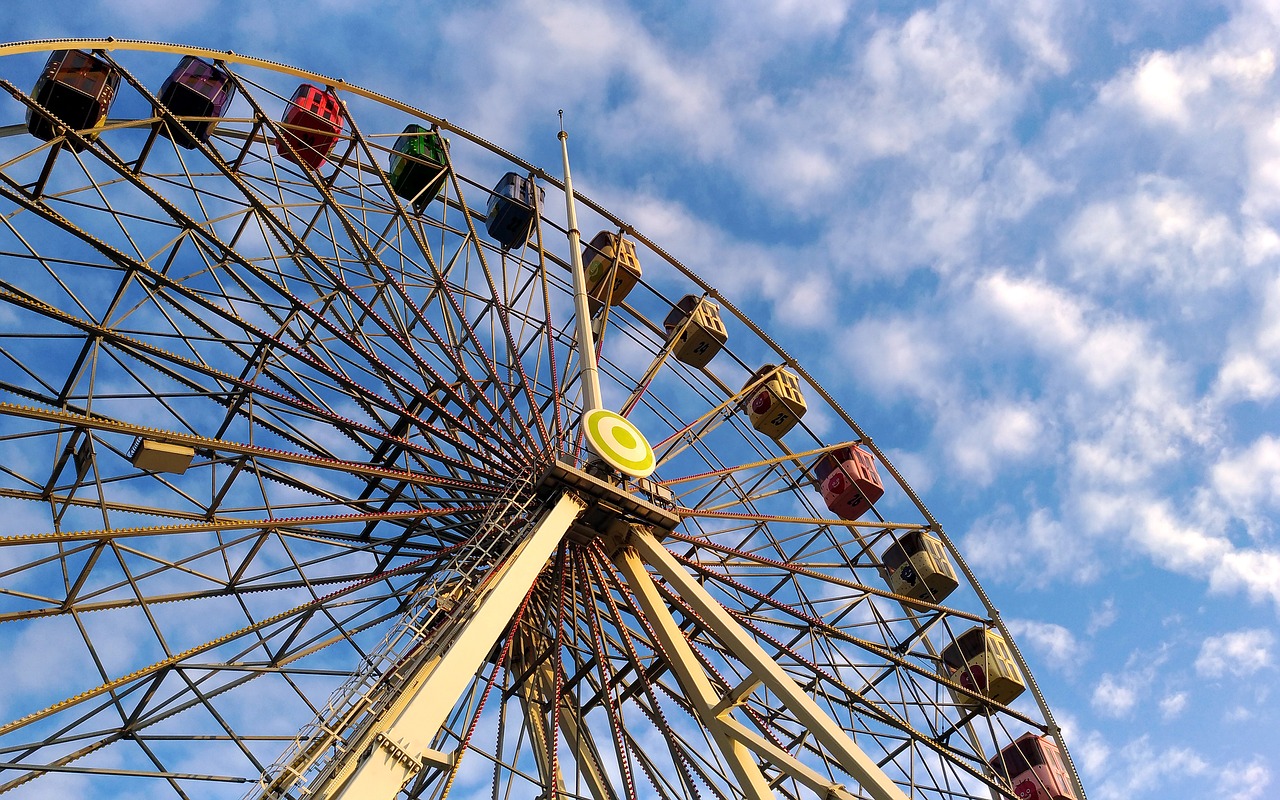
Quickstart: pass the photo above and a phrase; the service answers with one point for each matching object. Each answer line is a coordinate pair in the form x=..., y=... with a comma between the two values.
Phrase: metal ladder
x=426, y=628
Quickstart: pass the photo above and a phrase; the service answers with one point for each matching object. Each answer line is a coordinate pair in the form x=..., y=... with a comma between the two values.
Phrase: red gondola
x=312, y=124
x=849, y=482
x=1034, y=767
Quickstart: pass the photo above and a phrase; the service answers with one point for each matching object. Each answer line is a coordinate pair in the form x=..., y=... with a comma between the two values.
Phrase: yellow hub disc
x=621, y=444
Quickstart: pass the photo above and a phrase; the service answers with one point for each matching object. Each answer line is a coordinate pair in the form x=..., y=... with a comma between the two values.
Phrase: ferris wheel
x=333, y=465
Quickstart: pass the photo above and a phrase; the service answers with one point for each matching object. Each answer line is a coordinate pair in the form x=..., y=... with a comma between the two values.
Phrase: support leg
x=693, y=680
x=644, y=548
x=391, y=751
x=536, y=698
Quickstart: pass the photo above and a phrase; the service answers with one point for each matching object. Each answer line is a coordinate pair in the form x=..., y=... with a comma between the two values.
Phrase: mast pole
x=591, y=399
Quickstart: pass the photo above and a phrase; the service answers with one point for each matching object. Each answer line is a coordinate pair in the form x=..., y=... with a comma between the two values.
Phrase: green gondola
x=418, y=165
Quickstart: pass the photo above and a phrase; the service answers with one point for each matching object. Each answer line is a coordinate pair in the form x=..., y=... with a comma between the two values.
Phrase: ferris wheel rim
x=931, y=524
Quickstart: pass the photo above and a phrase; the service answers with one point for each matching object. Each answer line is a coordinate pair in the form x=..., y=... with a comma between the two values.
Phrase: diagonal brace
x=748, y=651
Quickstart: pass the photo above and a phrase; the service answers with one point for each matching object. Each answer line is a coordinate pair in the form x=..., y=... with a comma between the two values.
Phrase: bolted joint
x=397, y=753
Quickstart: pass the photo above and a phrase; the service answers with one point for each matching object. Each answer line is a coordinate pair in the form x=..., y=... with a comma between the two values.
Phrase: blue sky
x=1033, y=249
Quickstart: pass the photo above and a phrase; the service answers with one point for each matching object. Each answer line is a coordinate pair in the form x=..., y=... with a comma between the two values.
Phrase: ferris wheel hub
x=619, y=442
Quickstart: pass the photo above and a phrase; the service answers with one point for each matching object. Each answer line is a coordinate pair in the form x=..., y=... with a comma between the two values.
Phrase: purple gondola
x=198, y=93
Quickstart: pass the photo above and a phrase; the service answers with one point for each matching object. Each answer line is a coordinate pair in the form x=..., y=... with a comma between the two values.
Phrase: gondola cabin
x=980, y=661
x=916, y=566
x=417, y=166
x=156, y=456
x=849, y=482
x=312, y=125
x=198, y=93
x=511, y=210
x=697, y=330
x=608, y=255
x=1034, y=769
x=77, y=88
x=774, y=402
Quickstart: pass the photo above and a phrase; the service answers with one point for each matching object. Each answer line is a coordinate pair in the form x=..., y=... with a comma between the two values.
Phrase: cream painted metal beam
x=716, y=714
x=536, y=696
x=724, y=627
x=392, y=750
x=581, y=308
x=540, y=737
x=106, y=425
x=693, y=679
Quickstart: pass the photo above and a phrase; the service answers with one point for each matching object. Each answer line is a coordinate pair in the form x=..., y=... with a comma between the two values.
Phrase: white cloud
x=1178, y=88
x=600, y=63
x=1250, y=368
x=1237, y=714
x=1105, y=351
x=1038, y=26
x=813, y=16
x=984, y=437
x=1103, y=617
x=742, y=271
x=933, y=76
x=158, y=16
x=1161, y=235
x=1193, y=549
x=904, y=356
x=1173, y=542
x=1054, y=643
x=1139, y=769
x=1245, y=780
x=924, y=93
x=1255, y=571
x=1092, y=752
x=1172, y=705
x=1248, y=481
x=1116, y=696
x=1248, y=377
x=1239, y=653
x=1160, y=89
x=1126, y=400
x=1030, y=551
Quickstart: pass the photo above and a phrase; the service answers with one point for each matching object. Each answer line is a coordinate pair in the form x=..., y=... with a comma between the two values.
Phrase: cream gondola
x=916, y=566
x=979, y=660
x=697, y=329
x=775, y=404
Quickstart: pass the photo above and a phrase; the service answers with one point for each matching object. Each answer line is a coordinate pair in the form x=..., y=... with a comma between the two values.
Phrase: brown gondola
x=77, y=88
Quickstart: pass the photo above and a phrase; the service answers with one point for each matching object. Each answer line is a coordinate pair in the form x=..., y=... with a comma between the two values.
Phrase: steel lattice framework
x=388, y=546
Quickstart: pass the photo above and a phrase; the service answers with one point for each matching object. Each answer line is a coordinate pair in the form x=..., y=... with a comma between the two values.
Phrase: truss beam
x=644, y=548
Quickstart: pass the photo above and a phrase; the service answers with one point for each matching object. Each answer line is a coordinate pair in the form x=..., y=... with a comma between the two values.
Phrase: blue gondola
x=511, y=210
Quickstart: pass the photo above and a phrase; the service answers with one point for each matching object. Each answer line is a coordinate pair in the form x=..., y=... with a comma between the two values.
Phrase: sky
x=1032, y=247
